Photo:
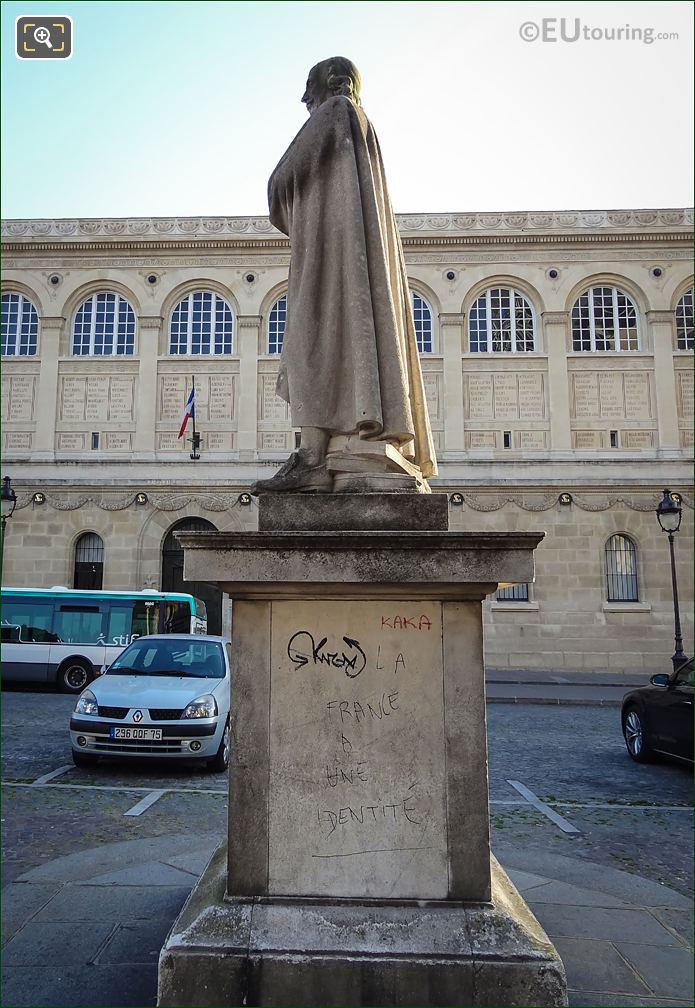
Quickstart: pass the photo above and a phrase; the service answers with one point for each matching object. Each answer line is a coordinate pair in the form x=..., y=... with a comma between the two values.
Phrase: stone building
x=556, y=350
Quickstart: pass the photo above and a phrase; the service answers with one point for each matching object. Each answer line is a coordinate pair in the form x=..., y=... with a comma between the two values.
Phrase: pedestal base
x=324, y=953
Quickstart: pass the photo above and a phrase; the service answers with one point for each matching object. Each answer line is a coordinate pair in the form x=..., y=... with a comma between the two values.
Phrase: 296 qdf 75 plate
x=143, y=734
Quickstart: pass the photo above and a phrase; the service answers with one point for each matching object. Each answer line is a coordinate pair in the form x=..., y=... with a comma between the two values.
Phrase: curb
x=569, y=701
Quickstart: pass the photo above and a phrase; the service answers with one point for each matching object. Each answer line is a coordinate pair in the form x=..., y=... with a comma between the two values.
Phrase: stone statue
x=350, y=368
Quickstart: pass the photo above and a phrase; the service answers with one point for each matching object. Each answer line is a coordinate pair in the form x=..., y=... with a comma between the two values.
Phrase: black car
x=658, y=719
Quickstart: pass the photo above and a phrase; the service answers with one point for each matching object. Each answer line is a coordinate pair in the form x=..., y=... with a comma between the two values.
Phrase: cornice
x=175, y=230
x=31, y=248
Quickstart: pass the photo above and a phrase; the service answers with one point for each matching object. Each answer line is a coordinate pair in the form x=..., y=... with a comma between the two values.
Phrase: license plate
x=144, y=734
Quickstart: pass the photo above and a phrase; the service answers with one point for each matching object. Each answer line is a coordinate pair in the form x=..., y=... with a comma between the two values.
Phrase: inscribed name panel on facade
x=479, y=397
x=122, y=398
x=584, y=395
x=637, y=439
x=687, y=438
x=272, y=407
x=168, y=441
x=70, y=441
x=587, y=439
x=72, y=398
x=221, y=397
x=433, y=383
x=684, y=395
x=118, y=441
x=531, y=439
x=22, y=397
x=357, y=750
x=172, y=396
x=531, y=395
x=18, y=440
x=274, y=441
x=611, y=395
x=506, y=397
x=217, y=441
x=481, y=439
x=96, y=398
x=638, y=398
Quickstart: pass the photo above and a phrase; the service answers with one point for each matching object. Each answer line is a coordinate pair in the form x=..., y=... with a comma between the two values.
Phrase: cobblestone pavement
x=89, y=892
x=631, y=816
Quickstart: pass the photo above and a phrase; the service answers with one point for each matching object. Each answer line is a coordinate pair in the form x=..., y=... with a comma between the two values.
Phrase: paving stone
x=680, y=921
x=152, y=873
x=524, y=880
x=103, y=987
x=668, y=971
x=584, y=999
x=110, y=857
x=21, y=901
x=596, y=966
x=135, y=943
x=634, y=889
x=194, y=862
x=566, y=894
x=600, y=923
x=116, y=903
x=58, y=944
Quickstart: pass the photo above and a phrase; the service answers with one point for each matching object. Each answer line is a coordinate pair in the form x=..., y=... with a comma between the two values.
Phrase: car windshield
x=199, y=659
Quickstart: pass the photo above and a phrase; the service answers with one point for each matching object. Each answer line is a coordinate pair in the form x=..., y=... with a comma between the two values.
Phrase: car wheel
x=635, y=736
x=74, y=675
x=81, y=759
x=221, y=761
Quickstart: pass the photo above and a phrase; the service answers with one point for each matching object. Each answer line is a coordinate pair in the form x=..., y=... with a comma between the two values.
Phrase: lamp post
x=669, y=514
x=9, y=503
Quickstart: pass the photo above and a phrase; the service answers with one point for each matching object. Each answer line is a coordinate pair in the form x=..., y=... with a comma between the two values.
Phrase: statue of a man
x=350, y=368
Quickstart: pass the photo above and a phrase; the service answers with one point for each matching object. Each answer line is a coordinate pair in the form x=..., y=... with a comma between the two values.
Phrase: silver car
x=164, y=696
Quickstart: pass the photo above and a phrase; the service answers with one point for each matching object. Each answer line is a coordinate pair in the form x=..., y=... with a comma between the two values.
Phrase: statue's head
x=330, y=77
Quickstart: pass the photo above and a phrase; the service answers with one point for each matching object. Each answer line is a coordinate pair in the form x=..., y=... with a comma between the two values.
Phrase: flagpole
x=195, y=439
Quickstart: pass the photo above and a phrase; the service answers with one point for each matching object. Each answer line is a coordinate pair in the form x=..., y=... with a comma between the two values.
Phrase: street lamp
x=9, y=503
x=669, y=514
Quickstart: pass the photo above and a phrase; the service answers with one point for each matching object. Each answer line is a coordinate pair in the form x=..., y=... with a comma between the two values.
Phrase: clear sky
x=170, y=109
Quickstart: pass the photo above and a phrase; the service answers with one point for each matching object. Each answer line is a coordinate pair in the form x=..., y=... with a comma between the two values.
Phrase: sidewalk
x=86, y=929
x=588, y=688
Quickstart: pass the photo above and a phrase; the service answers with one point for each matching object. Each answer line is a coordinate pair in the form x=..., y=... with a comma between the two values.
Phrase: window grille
x=621, y=569
x=515, y=593
x=89, y=562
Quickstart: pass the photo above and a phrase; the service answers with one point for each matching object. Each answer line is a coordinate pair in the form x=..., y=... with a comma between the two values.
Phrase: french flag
x=188, y=411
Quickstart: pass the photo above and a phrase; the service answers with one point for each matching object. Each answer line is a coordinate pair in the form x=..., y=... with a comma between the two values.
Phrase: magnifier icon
x=44, y=36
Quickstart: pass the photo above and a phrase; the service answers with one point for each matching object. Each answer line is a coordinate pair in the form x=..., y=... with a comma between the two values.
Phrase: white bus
x=65, y=635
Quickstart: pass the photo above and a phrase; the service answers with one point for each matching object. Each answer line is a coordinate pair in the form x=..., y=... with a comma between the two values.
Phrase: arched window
x=605, y=318
x=104, y=326
x=276, y=325
x=201, y=323
x=20, y=326
x=501, y=321
x=89, y=562
x=621, y=569
x=422, y=314
x=684, y=322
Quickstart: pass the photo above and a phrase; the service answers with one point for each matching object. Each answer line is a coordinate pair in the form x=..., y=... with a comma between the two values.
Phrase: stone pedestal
x=358, y=868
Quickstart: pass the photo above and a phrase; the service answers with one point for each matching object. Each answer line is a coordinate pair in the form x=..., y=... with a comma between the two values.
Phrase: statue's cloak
x=349, y=358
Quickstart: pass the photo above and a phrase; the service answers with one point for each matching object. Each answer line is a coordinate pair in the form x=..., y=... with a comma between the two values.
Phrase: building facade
x=557, y=356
